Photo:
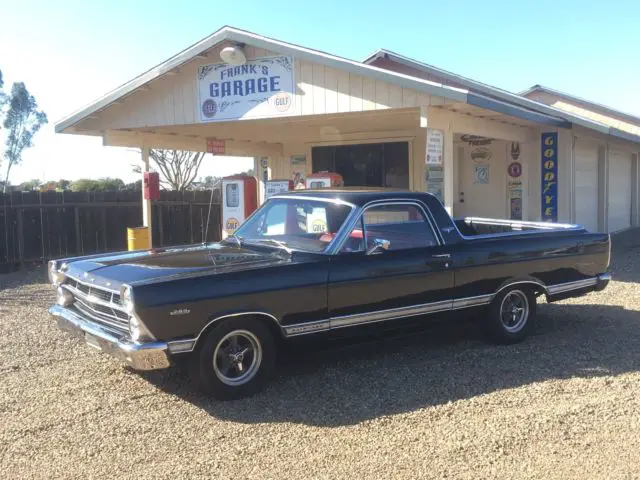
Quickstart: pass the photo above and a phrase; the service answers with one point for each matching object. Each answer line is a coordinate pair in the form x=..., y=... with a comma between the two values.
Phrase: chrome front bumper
x=139, y=356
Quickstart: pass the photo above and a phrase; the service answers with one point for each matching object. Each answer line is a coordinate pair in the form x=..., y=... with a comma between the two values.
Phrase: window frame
x=380, y=203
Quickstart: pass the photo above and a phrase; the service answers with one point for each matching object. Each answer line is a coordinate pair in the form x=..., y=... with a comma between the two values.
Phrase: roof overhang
x=509, y=98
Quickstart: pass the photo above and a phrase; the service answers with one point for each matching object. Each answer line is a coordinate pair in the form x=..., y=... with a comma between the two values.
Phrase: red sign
x=515, y=169
x=215, y=146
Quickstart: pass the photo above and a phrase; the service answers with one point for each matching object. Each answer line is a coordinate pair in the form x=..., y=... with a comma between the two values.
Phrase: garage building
x=387, y=121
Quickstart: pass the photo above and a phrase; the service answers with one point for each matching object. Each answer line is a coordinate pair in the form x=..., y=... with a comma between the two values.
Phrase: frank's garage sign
x=549, y=191
x=260, y=88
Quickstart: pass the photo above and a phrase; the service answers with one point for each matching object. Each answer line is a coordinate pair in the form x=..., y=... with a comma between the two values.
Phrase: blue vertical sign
x=549, y=155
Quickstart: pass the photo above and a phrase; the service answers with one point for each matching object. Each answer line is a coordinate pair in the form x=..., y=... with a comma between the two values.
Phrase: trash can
x=138, y=238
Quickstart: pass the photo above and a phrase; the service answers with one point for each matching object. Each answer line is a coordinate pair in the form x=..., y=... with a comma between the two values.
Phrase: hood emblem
x=180, y=311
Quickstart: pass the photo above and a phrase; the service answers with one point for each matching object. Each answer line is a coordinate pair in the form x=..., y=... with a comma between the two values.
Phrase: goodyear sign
x=549, y=155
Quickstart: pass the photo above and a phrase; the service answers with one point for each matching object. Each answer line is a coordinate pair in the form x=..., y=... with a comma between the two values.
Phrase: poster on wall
x=435, y=181
x=481, y=174
x=549, y=187
x=260, y=88
x=514, y=191
x=435, y=147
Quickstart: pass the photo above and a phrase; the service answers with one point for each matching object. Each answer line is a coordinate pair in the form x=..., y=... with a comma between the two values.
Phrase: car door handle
x=444, y=257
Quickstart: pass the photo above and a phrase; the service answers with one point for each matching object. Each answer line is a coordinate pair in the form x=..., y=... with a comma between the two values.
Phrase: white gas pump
x=239, y=200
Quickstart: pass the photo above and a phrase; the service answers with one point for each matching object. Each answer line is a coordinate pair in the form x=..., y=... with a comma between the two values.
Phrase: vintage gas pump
x=324, y=180
x=239, y=200
x=273, y=187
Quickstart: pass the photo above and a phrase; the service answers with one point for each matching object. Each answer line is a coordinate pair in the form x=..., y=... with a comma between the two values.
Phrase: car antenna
x=206, y=229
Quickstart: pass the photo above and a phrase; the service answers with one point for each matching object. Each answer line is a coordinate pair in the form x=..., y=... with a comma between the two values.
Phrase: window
x=403, y=225
x=301, y=224
x=233, y=195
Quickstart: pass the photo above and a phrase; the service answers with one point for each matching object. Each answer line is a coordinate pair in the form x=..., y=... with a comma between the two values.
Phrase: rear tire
x=236, y=360
x=511, y=315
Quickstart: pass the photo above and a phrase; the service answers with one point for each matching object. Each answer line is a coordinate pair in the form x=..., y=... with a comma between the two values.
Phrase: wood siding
x=173, y=98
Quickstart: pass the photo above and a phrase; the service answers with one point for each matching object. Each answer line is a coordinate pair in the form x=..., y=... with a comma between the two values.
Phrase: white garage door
x=586, y=160
x=619, y=190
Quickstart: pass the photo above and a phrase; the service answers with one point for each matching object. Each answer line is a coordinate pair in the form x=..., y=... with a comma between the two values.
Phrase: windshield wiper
x=277, y=243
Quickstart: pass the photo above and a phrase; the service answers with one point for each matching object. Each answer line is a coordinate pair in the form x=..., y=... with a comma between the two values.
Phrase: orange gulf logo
x=232, y=224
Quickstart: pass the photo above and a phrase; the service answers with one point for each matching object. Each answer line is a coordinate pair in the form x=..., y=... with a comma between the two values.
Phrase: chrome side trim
x=366, y=318
x=468, y=302
x=567, y=287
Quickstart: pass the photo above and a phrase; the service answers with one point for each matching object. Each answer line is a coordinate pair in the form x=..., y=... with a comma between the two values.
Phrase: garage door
x=619, y=190
x=586, y=161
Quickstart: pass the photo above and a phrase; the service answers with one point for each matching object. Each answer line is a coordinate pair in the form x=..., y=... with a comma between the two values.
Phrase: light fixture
x=233, y=55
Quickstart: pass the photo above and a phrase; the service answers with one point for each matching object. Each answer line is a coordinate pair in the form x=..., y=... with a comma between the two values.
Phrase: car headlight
x=126, y=297
x=56, y=277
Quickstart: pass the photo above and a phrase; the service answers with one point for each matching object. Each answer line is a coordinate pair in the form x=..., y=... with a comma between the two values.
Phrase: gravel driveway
x=563, y=404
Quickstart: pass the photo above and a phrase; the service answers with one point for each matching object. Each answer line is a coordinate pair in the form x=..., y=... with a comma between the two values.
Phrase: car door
x=393, y=264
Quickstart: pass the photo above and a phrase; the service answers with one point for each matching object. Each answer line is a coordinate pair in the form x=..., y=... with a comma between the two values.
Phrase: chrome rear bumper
x=139, y=356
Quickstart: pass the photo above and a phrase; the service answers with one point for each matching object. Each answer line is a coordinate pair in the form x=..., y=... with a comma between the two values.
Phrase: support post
x=147, y=212
x=449, y=174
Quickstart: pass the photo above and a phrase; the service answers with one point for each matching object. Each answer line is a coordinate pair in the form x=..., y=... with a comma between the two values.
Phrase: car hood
x=112, y=270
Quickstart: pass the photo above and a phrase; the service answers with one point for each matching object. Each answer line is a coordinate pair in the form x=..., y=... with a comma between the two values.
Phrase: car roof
x=358, y=195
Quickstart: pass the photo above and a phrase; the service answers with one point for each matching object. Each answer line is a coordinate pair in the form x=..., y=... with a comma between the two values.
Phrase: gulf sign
x=549, y=170
x=261, y=88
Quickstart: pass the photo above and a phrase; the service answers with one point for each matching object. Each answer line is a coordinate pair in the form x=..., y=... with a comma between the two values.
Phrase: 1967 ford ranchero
x=319, y=263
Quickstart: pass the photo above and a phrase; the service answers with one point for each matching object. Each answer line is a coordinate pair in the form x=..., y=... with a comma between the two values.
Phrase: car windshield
x=295, y=223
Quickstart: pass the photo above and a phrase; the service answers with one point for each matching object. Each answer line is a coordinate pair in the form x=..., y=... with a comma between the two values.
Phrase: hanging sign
x=549, y=196
x=215, y=146
x=435, y=147
x=260, y=88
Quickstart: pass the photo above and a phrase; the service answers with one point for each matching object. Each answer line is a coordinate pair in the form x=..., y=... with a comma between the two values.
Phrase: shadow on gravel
x=448, y=362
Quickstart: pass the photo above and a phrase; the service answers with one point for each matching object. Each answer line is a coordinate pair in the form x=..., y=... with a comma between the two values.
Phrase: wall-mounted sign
x=515, y=151
x=215, y=146
x=260, y=88
x=435, y=147
x=549, y=157
x=435, y=181
x=481, y=174
x=514, y=169
x=273, y=187
x=514, y=191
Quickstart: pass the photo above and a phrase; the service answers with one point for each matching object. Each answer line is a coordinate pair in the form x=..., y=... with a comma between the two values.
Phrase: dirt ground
x=443, y=404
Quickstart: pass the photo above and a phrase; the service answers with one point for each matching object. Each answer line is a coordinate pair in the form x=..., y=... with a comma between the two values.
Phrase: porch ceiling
x=303, y=129
x=477, y=112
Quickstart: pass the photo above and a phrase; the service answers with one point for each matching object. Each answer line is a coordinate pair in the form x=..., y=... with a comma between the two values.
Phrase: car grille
x=99, y=305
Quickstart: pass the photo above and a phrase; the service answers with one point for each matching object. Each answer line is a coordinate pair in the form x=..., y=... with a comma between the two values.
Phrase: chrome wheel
x=514, y=311
x=237, y=357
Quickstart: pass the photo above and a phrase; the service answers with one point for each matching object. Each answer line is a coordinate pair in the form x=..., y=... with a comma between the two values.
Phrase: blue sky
x=69, y=53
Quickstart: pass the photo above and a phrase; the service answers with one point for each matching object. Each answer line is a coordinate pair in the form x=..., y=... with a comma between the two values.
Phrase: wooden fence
x=36, y=227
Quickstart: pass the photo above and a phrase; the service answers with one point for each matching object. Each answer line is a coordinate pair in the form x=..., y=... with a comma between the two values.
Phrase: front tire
x=511, y=315
x=236, y=360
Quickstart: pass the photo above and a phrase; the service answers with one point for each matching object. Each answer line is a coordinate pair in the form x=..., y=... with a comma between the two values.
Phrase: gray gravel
x=563, y=404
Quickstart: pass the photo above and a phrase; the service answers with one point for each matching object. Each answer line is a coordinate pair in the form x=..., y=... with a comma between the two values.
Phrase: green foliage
x=31, y=185
x=100, y=185
x=22, y=120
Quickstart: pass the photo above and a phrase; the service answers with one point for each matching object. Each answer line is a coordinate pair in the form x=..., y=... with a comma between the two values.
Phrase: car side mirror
x=379, y=245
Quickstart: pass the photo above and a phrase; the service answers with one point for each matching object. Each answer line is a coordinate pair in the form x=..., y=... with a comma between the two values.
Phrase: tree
x=100, y=185
x=31, y=185
x=178, y=168
x=23, y=120
x=64, y=184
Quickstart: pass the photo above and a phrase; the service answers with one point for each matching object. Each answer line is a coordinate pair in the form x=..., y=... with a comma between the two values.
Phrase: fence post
x=103, y=214
x=19, y=213
x=76, y=214
x=191, y=221
x=160, y=224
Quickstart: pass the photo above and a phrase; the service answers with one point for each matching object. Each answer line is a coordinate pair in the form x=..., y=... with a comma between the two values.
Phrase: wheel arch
x=269, y=320
x=536, y=284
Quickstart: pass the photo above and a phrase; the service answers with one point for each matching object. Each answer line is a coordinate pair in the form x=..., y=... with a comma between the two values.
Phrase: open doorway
x=365, y=165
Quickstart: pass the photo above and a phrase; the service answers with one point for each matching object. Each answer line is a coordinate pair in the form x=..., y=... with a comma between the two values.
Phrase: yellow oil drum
x=138, y=238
